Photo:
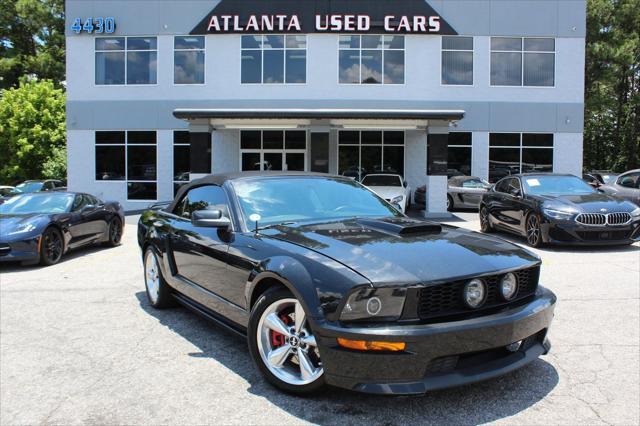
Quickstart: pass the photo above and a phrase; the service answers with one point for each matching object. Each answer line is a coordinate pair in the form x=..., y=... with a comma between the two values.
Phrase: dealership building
x=161, y=92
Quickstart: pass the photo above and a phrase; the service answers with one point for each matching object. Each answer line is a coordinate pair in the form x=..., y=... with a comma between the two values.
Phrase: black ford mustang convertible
x=333, y=286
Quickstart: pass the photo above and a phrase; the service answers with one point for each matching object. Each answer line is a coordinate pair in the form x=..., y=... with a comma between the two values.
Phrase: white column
x=165, y=165
x=480, y=155
x=567, y=153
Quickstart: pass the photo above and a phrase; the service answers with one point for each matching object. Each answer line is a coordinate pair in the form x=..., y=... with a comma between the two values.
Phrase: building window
x=511, y=153
x=364, y=152
x=131, y=157
x=126, y=60
x=457, y=61
x=459, y=153
x=371, y=59
x=273, y=150
x=274, y=59
x=188, y=59
x=181, y=159
x=523, y=61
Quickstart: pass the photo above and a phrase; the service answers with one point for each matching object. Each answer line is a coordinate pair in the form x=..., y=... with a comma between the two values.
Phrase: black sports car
x=558, y=209
x=332, y=285
x=42, y=226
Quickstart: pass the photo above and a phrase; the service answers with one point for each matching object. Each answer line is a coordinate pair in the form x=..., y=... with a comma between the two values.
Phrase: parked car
x=6, y=190
x=40, y=185
x=558, y=209
x=603, y=176
x=393, y=188
x=333, y=286
x=626, y=185
x=462, y=191
x=43, y=226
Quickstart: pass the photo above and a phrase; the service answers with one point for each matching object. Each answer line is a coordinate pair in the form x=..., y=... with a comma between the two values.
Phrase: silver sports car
x=463, y=192
x=626, y=185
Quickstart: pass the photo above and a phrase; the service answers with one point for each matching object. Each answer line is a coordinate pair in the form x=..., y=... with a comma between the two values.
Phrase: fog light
x=513, y=347
x=509, y=286
x=474, y=293
x=363, y=345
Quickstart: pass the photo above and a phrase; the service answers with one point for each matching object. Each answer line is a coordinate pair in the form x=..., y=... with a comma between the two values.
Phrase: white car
x=392, y=188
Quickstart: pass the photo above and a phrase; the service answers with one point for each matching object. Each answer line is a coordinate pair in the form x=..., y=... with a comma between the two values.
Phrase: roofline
x=318, y=113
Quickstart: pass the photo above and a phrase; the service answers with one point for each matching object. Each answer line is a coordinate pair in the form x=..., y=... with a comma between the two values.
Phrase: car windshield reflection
x=556, y=185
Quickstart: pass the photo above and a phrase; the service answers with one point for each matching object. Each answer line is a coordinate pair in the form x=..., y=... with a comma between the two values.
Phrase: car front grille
x=599, y=219
x=4, y=249
x=447, y=300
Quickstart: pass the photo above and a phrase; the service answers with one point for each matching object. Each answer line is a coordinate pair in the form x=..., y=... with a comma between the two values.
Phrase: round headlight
x=509, y=286
x=374, y=306
x=475, y=292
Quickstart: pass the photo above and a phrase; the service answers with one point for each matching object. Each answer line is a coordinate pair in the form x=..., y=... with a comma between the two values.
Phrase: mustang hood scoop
x=401, y=226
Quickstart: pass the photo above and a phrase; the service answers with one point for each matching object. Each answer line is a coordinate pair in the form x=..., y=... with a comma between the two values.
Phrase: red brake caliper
x=277, y=339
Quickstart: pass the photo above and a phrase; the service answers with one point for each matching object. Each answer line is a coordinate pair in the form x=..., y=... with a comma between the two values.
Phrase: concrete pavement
x=80, y=344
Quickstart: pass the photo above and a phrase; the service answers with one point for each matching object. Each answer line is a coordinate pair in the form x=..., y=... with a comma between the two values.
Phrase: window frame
x=173, y=158
x=203, y=50
x=382, y=146
x=522, y=53
x=470, y=147
x=360, y=49
x=125, y=145
x=229, y=203
x=473, y=61
x=125, y=51
x=284, y=49
x=284, y=150
x=521, y=148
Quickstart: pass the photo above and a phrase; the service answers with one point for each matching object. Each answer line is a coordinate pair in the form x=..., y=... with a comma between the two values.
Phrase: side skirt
x=210, y=315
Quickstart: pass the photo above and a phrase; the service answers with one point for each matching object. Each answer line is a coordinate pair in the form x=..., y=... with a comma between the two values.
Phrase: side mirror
x=210, y=219
x=397, y=207
x=405, y=184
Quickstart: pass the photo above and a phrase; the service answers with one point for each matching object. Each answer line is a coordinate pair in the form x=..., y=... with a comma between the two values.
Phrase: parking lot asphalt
x=80, y=344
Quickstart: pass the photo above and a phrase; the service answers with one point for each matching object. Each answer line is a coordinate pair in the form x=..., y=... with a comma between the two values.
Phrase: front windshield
x=381, y=180
x=29, y=187
x=298, y=199
x=36, y=203
x=556, y=185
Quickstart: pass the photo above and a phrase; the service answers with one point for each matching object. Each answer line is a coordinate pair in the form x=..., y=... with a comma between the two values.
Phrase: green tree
x=32, y=132
x=31, y=40
x=612, y=89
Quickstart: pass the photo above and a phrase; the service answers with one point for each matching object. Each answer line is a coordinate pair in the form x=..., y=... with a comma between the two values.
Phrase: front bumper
x=573, y=233
x=438, y=356
x=20, y=251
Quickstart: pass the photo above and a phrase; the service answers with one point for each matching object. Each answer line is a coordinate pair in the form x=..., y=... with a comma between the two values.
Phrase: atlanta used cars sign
x=323, y=16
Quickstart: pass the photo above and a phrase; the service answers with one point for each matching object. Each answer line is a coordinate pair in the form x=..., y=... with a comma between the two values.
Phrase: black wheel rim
x=115, y=232
x=533, y=230
x=484, y=220
x=52, y=246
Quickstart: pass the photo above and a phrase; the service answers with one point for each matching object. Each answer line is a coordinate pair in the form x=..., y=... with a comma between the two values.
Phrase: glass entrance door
x=276, y=150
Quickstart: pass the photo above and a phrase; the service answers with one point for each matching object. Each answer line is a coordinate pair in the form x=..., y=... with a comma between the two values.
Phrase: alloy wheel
x=152, y=276
x=286, y=344
x=52, y=246
x=533, y=230
x=115, y=231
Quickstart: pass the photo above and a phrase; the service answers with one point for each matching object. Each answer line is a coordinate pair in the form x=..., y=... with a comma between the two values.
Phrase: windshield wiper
x=273, y=225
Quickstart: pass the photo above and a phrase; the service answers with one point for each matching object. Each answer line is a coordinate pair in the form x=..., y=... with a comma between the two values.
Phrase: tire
x=157, y=289
x=533, y=231
x=485, y=222
x=449, y=203
x=277, y=309
x=114, y=232
x=51, y=247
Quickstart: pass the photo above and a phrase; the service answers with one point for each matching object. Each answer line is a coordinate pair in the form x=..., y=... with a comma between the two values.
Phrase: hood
x=11, y=223
x=588, y=203
x=388, y=192
x=406, y=251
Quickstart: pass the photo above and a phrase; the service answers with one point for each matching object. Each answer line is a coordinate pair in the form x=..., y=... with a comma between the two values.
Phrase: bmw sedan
x=558, y=209
x=333, y=286
x=42, y=226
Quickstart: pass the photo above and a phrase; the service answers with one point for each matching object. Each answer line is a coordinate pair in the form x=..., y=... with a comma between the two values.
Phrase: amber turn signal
x=363, y=345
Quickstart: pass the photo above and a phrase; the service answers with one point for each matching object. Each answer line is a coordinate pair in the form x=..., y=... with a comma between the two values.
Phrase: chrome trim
x=604, y=219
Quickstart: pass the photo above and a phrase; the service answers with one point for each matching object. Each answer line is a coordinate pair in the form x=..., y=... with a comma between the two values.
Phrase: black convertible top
x=220, y=179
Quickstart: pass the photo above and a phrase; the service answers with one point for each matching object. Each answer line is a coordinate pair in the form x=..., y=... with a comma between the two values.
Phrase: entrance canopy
x=232, y=118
